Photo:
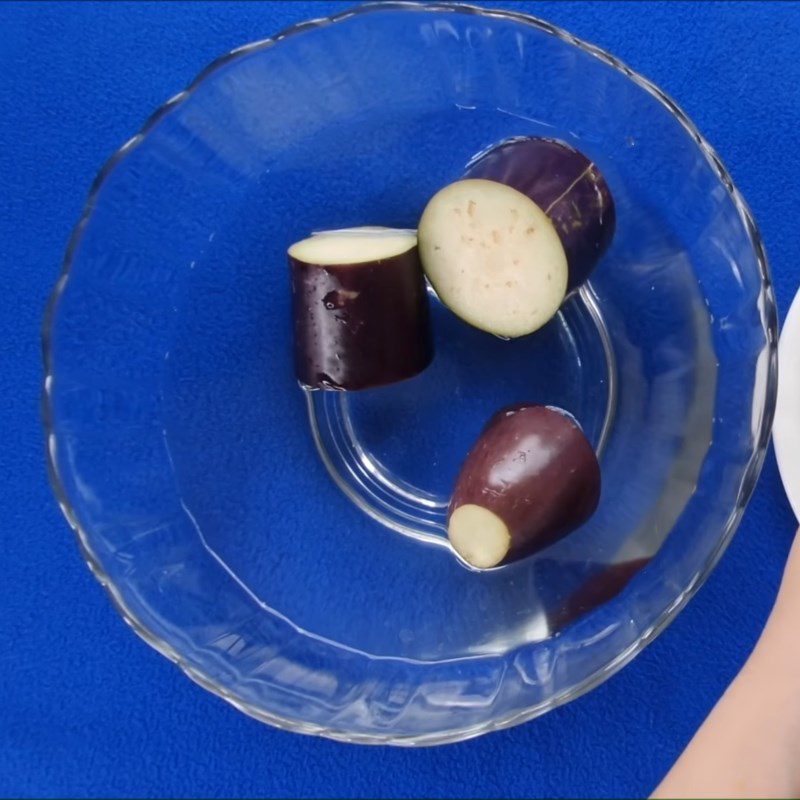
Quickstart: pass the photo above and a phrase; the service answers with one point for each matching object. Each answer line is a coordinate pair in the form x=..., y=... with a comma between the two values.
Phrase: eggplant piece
x=530, y=479
x=360, y=308
x=566, y=185
x=493, y=257
x=601, y=588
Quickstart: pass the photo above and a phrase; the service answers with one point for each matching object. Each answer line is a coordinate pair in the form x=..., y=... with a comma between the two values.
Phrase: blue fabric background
x=86, y=708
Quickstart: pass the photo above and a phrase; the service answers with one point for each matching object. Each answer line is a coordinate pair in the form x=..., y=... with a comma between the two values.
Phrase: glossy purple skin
x=360, y=325
x=566, y=186
x=598, y=590
x=535, y=469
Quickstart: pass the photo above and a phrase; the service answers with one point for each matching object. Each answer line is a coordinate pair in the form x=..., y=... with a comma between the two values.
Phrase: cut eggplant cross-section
x=493, y=257
x=566, y=185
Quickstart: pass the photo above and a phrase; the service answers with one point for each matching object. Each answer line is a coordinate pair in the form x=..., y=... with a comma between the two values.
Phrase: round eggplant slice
x=493, y=257
x=566, y=185
x=360, y=309
x=530, y=479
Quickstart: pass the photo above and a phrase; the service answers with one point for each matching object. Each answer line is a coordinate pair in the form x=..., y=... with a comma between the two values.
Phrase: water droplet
x=327, y=382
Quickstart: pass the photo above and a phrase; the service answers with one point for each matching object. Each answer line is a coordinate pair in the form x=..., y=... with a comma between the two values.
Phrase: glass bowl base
x=395, y=451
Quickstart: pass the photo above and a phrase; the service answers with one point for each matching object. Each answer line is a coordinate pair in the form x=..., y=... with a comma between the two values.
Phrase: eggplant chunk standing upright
x=566, y=185
x=360, y=309
x=531, y=478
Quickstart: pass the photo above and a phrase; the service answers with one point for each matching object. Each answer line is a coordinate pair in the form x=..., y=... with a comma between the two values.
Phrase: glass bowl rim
x=767, y=311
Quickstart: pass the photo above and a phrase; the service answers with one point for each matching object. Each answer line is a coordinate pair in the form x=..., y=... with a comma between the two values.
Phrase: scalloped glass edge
x=769, y=321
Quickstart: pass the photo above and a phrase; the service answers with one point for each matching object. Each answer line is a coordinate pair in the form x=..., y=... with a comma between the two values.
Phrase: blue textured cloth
x=86, y=708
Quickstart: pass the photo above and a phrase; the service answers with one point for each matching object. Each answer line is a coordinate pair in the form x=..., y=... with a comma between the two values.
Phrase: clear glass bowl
x=288, y=551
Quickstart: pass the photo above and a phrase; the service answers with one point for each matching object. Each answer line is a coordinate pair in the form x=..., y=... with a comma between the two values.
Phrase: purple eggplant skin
x=358, y=326
x=601, y=588
x=567, y=186
x=533, y=468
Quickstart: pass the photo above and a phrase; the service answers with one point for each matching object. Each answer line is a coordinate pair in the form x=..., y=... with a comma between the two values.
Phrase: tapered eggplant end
x=530, y=479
